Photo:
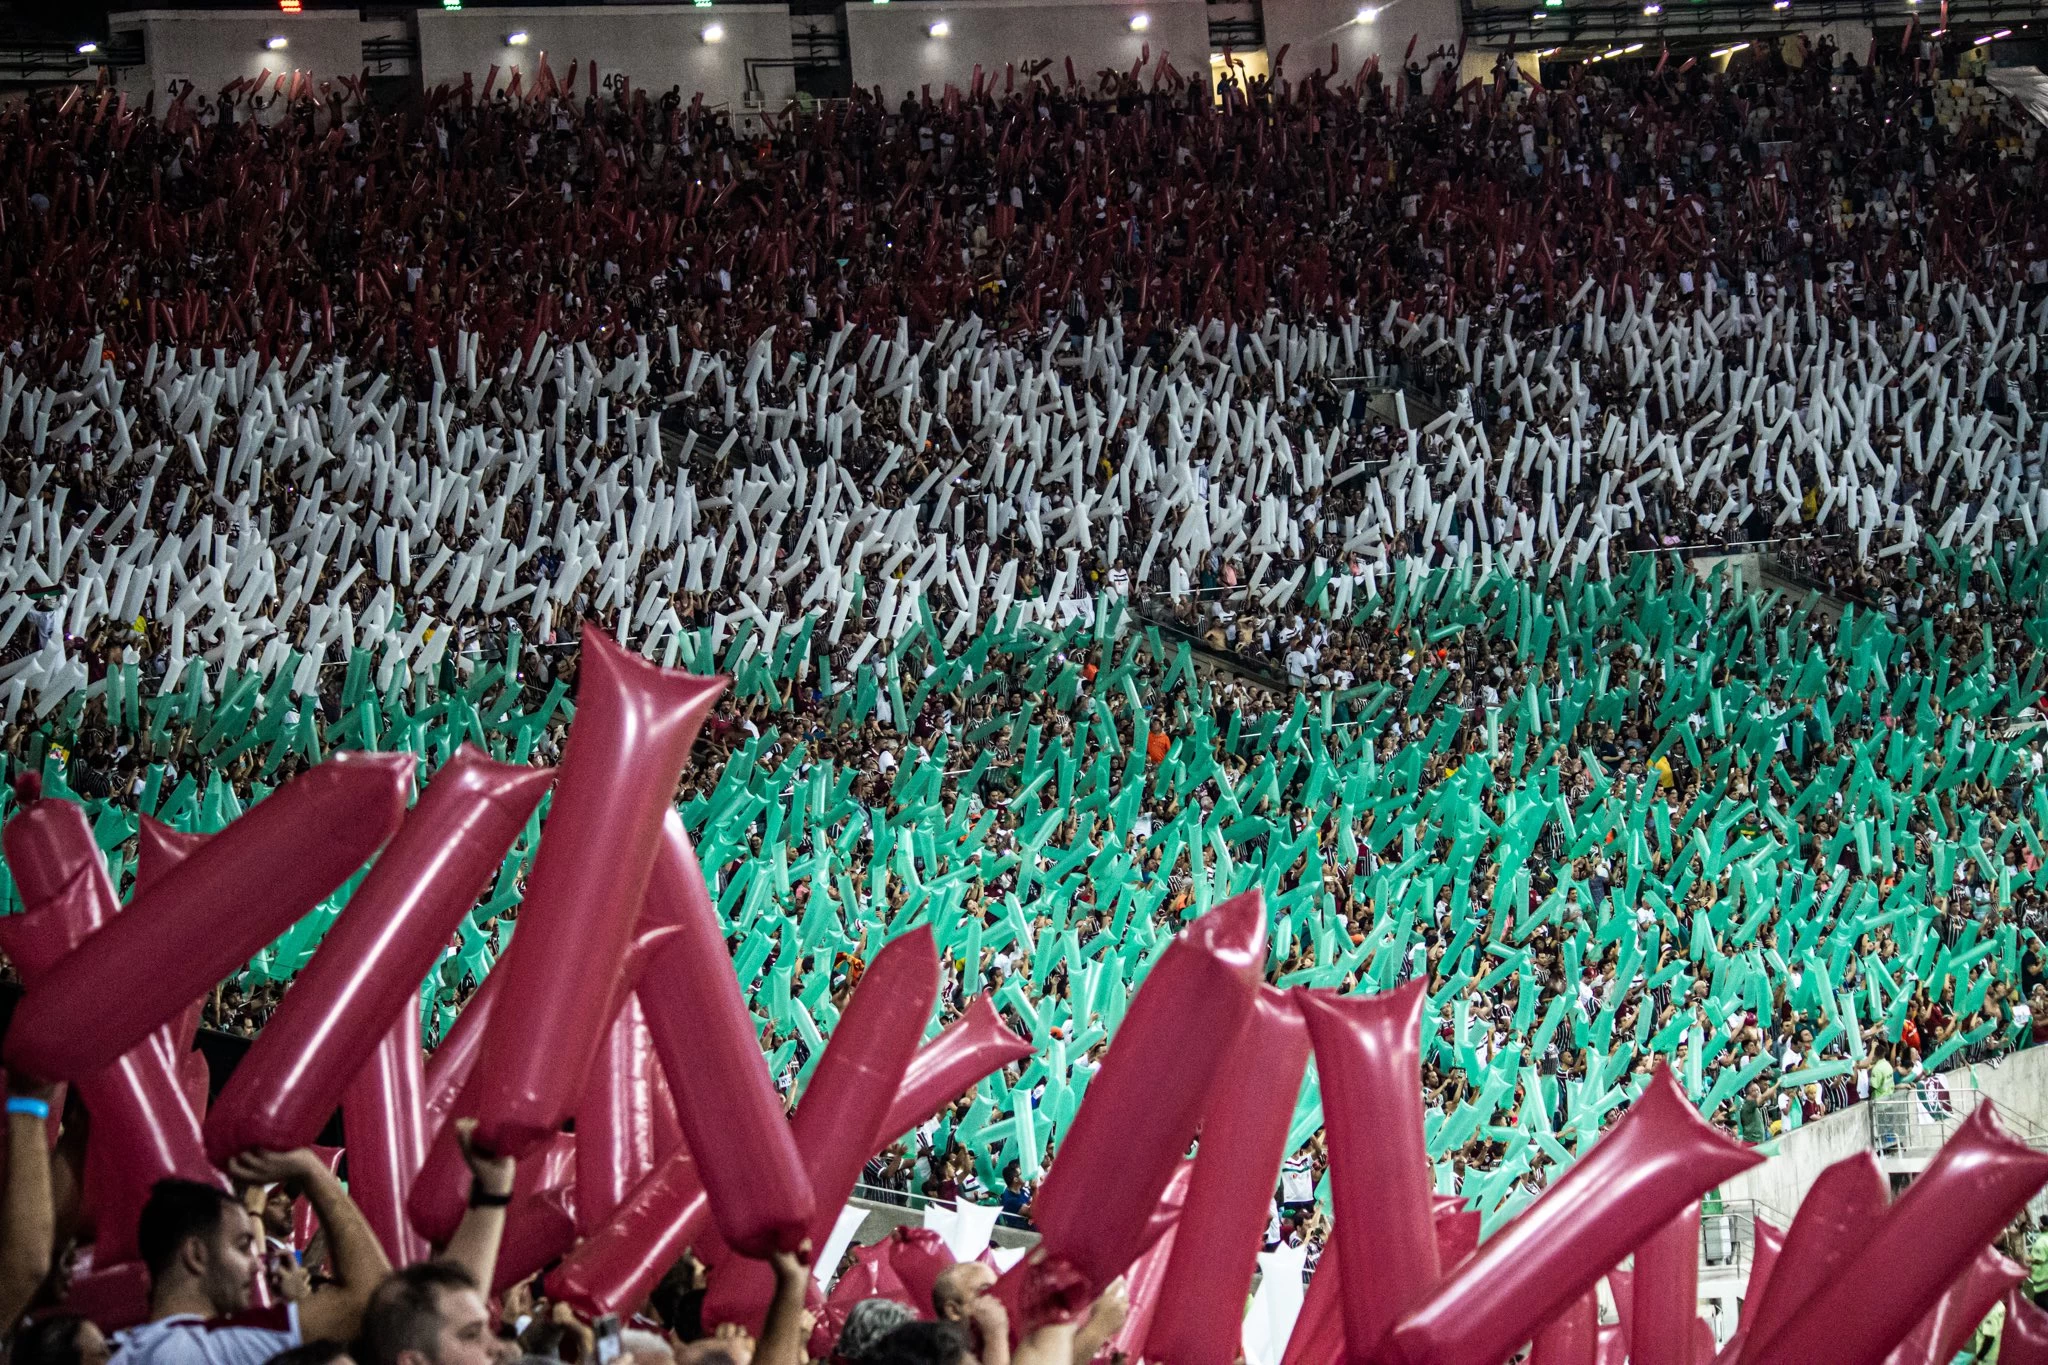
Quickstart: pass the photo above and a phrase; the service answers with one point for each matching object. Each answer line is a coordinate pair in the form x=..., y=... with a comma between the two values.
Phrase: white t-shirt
x=1297, y=1181
x=249, y=1338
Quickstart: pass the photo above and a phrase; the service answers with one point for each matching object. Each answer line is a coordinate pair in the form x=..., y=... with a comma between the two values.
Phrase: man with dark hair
x=432, y=1313
x=203, y=1252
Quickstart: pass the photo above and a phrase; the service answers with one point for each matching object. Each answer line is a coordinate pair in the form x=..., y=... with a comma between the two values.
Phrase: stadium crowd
x=231, y=220
x=950, y=430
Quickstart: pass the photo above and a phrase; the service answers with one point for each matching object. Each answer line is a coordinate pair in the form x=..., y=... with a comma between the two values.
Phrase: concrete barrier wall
x=893, y=45
x=2017, y=1084
x=1782, y=1181
x=700, y=50
x=1749, y=566
x=1308, y=28
x=884, y=1218
x=211, y=48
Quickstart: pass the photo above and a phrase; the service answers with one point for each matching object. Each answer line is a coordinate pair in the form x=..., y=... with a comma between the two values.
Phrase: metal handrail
x=917, y=1203
x=1914, y=1121
x=1257, y=670
x=1728, y=1233
x=1697, y=548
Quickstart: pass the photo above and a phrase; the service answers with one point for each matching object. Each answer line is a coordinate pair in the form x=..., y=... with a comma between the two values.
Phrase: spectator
x=202, y=1253
x=1017, y=1196
x=60, y=1339
x=432, y=1313
x=867, y=1324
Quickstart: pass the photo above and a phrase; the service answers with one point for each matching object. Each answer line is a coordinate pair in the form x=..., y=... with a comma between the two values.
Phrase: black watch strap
x=481, y=1198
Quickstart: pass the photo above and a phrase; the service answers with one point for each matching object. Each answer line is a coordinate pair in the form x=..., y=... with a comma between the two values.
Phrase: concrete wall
x=213, y=47
x=891, y=45
x=1309, y=27
x=1851, y=39
x=2017, y=1084
x=658, y=46
x=1750, y=567
x=654, y=46
x=1782, y=1181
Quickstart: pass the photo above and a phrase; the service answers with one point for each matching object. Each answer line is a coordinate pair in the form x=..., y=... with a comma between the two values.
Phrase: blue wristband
x=28, y=1104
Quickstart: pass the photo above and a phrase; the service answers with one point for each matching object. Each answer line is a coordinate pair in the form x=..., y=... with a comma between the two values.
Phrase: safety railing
x=1914, y=1121
x=1728, y=1233
x=1768, y=548
x=1155, y=609
x=918, y=1203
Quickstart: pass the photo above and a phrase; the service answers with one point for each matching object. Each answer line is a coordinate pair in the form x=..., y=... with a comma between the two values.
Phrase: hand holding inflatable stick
x=1660, y=1157
x=614, y=1269
x=627, y=747
x=740, y=1145
x=143, y=1125
x=1369, y=1059
x=1141, y=1112
x=841, y=1115
x=1197, y=1320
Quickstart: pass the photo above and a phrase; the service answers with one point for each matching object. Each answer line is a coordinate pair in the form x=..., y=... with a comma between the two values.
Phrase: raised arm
x=335, y=1310
x=782, y=1334
x=1103, y=1320
x=474, y=1246
x=1052, y=1344
x=31, y=1220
